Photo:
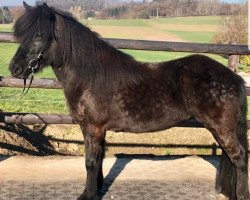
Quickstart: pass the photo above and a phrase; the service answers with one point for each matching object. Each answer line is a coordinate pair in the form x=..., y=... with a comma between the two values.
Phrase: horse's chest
x=91, y=109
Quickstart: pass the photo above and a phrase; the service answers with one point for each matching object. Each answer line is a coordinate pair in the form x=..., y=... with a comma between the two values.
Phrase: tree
x=234, y=29
x=89, y=14
x=16, y=12
x=5, y=16
x=149, y=8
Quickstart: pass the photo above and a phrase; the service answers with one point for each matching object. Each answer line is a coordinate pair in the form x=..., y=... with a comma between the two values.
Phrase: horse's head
x=35, y=32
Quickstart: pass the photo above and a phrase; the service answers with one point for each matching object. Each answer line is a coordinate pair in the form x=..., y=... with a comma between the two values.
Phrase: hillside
x=179, y=29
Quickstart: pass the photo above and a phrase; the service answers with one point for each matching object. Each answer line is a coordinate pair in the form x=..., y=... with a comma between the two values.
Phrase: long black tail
x=242, y=121
x=242, y=129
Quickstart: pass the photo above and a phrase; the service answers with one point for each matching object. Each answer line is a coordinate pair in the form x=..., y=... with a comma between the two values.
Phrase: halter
x=33, y=65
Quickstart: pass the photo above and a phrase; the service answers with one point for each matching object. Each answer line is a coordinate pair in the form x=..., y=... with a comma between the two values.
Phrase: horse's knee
x=90, y=164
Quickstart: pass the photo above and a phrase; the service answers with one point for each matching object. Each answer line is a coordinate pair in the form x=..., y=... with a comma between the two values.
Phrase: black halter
x=33, y=65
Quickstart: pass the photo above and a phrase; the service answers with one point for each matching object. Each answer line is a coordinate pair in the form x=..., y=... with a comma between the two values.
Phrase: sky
x=16, y=2
x=32, y=2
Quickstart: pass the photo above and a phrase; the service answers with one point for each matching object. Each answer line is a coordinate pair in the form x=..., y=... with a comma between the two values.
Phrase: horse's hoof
x=84, y=196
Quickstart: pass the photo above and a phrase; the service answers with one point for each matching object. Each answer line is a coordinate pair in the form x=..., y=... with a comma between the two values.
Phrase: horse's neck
x=68, y=79
x=107, y=69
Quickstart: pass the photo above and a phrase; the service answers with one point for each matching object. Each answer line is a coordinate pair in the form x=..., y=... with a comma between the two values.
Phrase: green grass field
x=6, y=27
x=52, y=101
x=115, y=22
x=203, y=20
x=202, y=37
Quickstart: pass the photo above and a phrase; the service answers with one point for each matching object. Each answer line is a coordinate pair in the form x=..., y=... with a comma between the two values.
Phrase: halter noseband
x=33, y=65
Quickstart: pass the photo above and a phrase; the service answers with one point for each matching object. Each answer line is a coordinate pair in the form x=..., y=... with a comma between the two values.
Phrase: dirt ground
x=68, y=140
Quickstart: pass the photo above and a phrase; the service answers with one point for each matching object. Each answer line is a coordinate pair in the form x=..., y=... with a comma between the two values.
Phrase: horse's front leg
x=94, y=139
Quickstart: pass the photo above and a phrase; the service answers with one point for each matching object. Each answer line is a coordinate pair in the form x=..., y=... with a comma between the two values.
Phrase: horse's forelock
x=32, y=21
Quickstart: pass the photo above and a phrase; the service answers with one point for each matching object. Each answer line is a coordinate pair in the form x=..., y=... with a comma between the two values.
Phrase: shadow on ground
x=123, y=159
x=27, y=140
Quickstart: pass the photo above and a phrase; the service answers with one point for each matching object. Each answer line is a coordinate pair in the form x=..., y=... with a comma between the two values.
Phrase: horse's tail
x=226, y=179
x=241, y=129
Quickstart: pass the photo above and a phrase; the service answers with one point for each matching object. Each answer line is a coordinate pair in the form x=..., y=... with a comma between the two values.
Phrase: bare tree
x=5, y=16
x=147, y=9
x=234, y=29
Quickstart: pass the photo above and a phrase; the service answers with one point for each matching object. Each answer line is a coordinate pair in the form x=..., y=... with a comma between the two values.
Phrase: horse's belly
x=145, y=122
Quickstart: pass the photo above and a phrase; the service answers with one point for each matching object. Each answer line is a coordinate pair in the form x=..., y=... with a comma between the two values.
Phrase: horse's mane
x=81, y=49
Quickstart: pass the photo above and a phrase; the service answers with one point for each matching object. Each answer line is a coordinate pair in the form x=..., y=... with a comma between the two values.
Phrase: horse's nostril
x=18, y=70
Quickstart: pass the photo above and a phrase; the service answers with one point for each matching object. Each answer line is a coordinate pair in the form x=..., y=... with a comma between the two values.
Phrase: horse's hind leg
x=226, y=177
x=94, y=139
x=233, y=177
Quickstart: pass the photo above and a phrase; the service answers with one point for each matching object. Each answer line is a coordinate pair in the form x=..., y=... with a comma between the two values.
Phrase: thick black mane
x=79, y=48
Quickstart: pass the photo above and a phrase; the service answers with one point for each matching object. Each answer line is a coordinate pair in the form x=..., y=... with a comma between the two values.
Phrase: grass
x=207, y=20
x=202, y=37
x=115, y=22
x=161, y=56
x=192, y=29
x=6, y=27
x=7, y=50
x=36, y=100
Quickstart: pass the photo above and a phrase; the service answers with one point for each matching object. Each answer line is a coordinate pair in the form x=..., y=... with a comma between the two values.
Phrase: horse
x=107, y=89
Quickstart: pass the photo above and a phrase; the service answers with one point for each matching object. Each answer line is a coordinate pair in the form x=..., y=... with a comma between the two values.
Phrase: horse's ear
x=26, y=6
x=45, y=6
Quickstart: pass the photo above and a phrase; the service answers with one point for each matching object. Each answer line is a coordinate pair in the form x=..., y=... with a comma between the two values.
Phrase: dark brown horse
x=108, y=90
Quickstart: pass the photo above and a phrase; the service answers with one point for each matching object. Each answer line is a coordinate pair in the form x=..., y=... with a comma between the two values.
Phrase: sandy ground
x=128, y=177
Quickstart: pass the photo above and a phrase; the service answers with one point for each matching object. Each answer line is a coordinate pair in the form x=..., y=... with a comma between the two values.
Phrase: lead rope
x=24, y=85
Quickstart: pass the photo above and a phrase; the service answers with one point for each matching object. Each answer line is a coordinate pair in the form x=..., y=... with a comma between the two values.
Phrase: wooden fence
x=35, y=118
x=164, y=46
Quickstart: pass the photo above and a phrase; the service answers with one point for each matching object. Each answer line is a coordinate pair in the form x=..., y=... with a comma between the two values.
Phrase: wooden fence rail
x=38, y=118
x=43, y=83
x=34, y=118
x=163, y=46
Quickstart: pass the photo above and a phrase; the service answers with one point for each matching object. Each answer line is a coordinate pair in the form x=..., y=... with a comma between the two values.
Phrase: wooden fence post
x=233, y=60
